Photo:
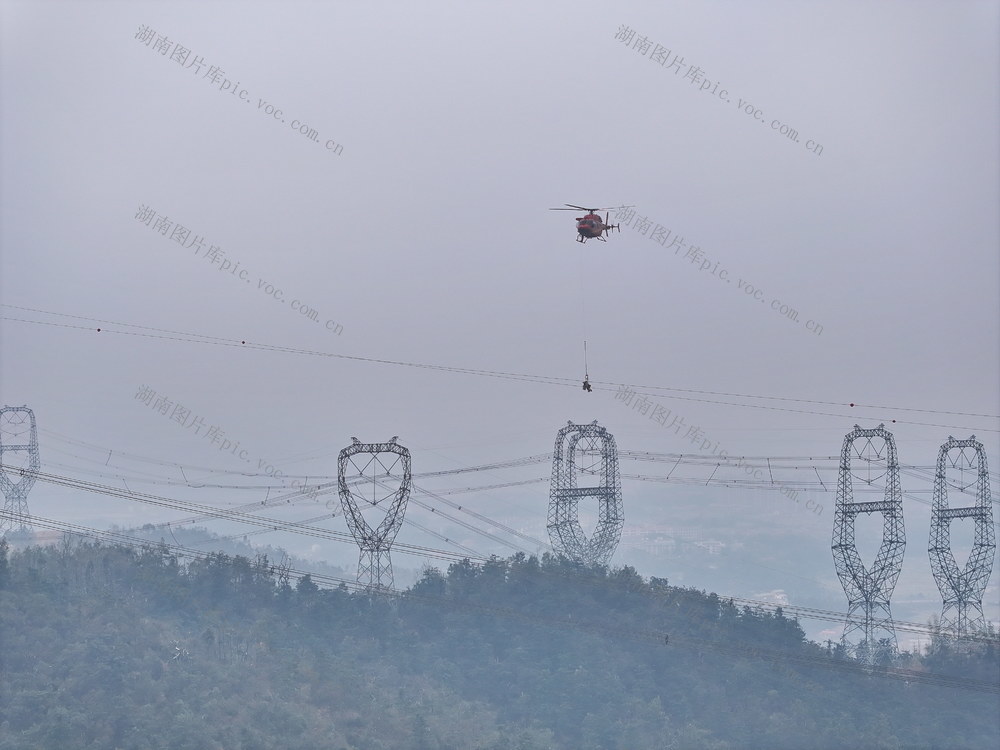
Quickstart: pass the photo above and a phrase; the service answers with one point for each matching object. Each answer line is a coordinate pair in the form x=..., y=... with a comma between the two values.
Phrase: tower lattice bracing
x=962, y=590
x=19, y=462
x=365, y=475
x=585, y=449
x=869, y=632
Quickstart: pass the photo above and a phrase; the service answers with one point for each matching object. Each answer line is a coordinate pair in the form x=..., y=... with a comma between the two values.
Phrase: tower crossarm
x=970, y=511
x=576, y=493
x=876, y=506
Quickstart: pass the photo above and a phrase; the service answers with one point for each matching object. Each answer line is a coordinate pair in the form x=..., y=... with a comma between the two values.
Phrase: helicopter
x=590, y=226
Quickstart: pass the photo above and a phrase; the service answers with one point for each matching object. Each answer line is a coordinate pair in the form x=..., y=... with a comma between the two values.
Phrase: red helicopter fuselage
x=590, y=226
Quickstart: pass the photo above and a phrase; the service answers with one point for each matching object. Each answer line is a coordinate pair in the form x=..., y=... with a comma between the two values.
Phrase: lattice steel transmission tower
x=962, y=590
x=363, y=469
x=18, y=437
x=585, y=449
x=868, y=591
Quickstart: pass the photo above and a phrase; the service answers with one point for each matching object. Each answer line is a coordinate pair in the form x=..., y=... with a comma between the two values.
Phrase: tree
x=4, y=569
x=306, y=587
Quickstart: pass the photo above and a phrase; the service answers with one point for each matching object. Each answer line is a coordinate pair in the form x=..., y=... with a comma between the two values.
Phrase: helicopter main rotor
x=581, y=208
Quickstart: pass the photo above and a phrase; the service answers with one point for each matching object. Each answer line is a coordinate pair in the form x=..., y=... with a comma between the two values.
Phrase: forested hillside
x=120, y=647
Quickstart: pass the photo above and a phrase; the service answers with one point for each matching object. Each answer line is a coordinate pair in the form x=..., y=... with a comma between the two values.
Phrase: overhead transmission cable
x=167, y=334
x=303, y=528
x=229, y=514
x=676, y=459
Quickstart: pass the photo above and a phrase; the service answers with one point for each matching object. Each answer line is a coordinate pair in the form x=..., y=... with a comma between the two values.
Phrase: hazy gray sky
x=423, y=232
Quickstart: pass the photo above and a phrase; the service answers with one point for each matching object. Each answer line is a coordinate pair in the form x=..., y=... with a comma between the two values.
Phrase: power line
x=168, y=334
x=269, y=524
x=326, y=482
x=231, y=515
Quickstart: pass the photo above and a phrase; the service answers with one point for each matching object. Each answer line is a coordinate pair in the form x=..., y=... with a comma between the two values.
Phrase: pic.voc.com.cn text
x=217, y=256
x=671, y=61
x=695, y=255
x=214, y=75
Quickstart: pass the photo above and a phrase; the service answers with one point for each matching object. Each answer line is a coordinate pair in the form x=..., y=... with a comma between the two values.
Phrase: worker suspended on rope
x=586, y=373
